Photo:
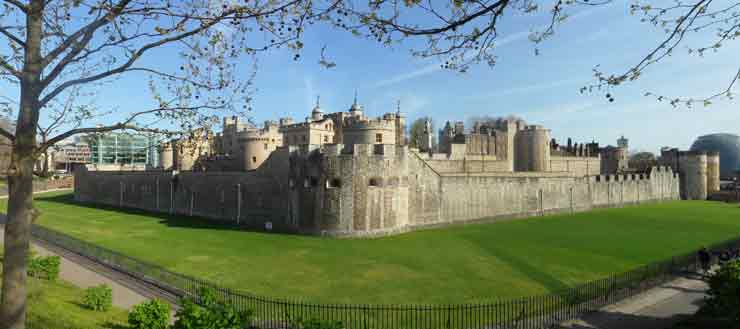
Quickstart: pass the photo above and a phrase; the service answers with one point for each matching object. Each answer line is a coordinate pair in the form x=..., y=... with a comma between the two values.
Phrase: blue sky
x=541, y=89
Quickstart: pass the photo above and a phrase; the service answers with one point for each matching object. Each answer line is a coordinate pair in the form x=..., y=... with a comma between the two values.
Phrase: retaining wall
x=366, y=191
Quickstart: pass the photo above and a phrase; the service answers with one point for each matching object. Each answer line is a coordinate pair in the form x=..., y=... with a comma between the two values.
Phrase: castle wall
x=470, y=164
x=247, y=198
x=367, y=190
x=579, y=166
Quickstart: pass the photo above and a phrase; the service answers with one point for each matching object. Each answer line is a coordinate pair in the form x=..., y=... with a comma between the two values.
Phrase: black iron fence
x=534, y=312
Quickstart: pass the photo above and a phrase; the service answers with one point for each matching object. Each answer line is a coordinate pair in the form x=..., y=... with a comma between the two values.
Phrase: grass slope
x=56, y=305
x=450, y=265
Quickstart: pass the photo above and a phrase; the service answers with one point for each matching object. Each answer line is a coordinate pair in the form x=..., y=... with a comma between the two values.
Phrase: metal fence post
x=238, y=202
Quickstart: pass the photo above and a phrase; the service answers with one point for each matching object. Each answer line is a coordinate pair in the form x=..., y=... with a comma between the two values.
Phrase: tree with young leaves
x=52, y=49
x=55, y=50
x=417, y=131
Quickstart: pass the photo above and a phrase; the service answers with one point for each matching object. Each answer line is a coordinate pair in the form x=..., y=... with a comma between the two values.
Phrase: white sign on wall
x=268, y=226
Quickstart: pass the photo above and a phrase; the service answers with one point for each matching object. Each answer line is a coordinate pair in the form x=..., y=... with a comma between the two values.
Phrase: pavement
x=658, y=308
x=72, y=270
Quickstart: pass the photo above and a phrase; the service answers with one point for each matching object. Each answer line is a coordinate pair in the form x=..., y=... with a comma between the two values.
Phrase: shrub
x=99, y=298
x=315, y=324
x=153, y=314
x=46, y=268
x=210, y=313
x=724, y=293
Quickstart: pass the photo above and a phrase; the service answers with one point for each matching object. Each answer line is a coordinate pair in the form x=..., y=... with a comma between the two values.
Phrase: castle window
x=374, y=182
x=326, y=126
x=326, y=139
x=266, y=147
x=303, y=138
x=333, y=183
x=254, y=159
x=378, y=138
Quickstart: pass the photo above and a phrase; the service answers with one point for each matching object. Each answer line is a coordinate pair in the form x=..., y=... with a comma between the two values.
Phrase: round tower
x=255, y=149
x=712, y=172
x=532, y=149
x=165, y=156
x=692, y=166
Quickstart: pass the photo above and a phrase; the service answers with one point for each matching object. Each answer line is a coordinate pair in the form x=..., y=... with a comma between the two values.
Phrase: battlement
x=533, y=127
x=356, y=150
x=385, y=122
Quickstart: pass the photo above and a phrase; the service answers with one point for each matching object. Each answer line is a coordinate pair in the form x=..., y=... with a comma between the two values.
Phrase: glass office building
x=122, y=148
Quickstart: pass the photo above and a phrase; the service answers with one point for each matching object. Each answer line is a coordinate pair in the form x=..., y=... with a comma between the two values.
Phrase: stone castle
x=345, y=174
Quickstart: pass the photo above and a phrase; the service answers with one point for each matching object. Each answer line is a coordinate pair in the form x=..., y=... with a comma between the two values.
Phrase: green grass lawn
x=452, y=265
x=56, y=305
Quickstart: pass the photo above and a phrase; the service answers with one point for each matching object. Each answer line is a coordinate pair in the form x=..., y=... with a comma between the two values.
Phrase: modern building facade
x=122, y=149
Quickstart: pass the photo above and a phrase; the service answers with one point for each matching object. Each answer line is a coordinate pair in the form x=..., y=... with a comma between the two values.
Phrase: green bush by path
x=724, y=294
x=153, y=314
x=460, y=264
x=210, y=313
x=46, y=268
x=98, y=298
x=56, y=305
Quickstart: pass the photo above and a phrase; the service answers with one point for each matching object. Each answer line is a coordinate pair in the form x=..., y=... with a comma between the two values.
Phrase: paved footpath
x=83, y=273
x=657, y=308
x=124, y=296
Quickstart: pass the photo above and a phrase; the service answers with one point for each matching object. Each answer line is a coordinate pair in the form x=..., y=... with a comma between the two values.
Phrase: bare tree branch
x=11, y=36
x=87, y=30
x=7, y=134
x=18, y=5
x=124, y=67
x=9, y=68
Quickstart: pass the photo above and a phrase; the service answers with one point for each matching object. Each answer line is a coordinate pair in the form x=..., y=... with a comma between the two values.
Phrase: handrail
x=531, y=312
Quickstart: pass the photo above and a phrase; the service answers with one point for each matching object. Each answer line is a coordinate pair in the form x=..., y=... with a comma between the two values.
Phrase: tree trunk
x=17, y=236
x=20, y=178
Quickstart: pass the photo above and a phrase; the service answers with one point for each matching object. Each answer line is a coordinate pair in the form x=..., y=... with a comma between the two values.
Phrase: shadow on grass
x=180, y=221
x=80, y=305
x=520, y=264
x=111, y=325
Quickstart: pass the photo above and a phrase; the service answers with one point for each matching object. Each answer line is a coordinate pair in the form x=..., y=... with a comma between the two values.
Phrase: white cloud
x=514, y=37
x=431, y=68
x=527, y=88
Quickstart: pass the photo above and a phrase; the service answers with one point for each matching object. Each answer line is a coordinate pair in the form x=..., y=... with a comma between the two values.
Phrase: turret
x=400, y=126
x=532, y=149
x=317, y=114
x=712, y=172
x=693, y=169
x=355, y=110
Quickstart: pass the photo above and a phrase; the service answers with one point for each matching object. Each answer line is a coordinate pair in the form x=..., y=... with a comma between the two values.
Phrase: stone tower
x=623, y=143
x=693, y=168
x=532, y=149
x=712, y=172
